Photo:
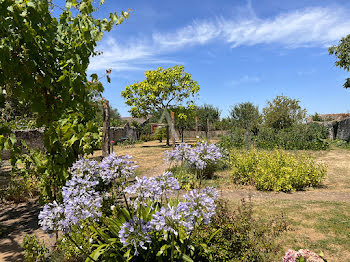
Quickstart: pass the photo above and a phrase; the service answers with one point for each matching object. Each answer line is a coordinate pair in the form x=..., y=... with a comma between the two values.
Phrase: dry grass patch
x=338, y=177
x=148, y=155
x=316, y=225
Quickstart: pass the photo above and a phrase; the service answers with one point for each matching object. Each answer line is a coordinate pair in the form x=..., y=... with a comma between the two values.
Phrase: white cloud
x=302, y=28
x=246, y=79
x=311, y=27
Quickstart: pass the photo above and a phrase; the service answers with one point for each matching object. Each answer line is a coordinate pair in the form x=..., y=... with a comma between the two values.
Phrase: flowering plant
x=149, y=224
x=303, y=255
x=201, y=159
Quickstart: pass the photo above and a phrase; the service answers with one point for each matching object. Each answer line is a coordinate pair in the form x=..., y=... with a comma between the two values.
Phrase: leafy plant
x=276, y=170
x=34, y=251
x=43, y=63
x=238, y=235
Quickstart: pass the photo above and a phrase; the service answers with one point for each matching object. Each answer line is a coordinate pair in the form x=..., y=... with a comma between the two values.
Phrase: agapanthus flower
x=135, y=232
x=114, y=166
x=178, y=154
x=168, y=219
x=197, y=157
x=198, y=207
x=202, y=204
x=51, y=216
x=80, y=201
x=153, y=189
x=85, y=167
x=167, y=183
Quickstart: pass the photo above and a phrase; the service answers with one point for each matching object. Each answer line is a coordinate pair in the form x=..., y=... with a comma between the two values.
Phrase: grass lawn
x=316, y=225
x=319, y=225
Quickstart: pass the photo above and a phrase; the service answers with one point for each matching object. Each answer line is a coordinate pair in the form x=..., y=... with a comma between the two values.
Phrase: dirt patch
x=16, y=220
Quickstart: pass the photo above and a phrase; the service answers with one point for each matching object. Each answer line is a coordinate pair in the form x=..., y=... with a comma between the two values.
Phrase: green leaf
x=97, y=252
x=186, y=258
x=108, y=79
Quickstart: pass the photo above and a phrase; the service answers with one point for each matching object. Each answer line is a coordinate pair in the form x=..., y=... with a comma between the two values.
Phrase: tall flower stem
x=82, y=250
x=172, y=247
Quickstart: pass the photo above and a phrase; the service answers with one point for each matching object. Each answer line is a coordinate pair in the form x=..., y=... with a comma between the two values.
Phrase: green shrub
x=276, y=170
x=20, y=188
x=298, y=137
x=147, y=137
x=34, y=251
x=238, y=236
x=341, y=143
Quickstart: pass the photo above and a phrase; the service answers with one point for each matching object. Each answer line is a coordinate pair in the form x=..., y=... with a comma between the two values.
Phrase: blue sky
x=237, y=51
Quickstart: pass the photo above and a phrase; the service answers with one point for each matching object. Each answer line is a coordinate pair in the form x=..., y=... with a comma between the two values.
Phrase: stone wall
x=118, y=134
x=338, y=129
x=32, y=137
x=343, y=130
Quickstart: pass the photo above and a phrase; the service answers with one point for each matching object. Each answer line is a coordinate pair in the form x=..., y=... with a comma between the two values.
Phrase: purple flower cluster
x=80, y=201
x=197, y=157
x=113, y=166
x=85, y=167
x=198, y=207
x=152, y=189
x=135, y=232
x=294, y=256
x=179, y=154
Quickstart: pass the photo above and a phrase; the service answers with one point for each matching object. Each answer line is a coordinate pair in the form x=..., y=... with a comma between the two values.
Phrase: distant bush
x=297, y=137
x=147, y=137
x=276, y=170
x=341, y=143
x=238, y=236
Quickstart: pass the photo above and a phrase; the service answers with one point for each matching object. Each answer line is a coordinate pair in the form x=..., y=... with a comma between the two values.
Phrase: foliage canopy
x=43, y=63
x=342, y=53
x=246, y=116
x=283, y=112
x=162, y=89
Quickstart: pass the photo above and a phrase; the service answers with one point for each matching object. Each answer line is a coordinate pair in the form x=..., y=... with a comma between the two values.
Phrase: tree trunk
x=106, y=129
x=173, y=127
x=182, y=134
x=167, y=135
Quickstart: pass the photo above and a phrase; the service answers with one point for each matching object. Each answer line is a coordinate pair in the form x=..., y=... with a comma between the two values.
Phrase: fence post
x=106, y=130
x=196, y=126
x=208, y=128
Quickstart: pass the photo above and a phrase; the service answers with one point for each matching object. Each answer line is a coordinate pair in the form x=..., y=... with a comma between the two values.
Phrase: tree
x=205, y=113
x=342, y=53
x=246, y=116
x=161, y=90
x=283, y=112
x=184, y=118
x=43, y=62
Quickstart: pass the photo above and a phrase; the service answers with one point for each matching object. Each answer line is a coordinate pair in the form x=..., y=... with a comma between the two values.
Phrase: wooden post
x=196, y=126
x=106, y=130
x=173, y=127
x=208, y=129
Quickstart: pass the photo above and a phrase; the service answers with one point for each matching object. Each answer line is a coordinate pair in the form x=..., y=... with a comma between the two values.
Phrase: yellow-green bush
x=277, y=170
